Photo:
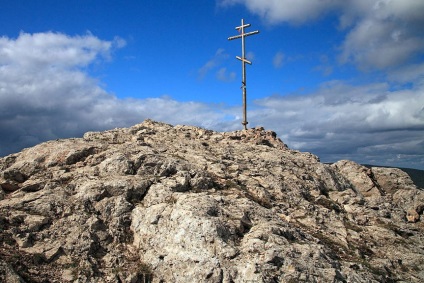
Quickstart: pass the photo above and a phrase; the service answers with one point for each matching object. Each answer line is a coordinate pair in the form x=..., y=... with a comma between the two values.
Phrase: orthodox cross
x=243, y=60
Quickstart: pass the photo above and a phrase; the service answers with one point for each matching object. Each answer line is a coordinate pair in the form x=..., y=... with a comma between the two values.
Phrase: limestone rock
x=412, y=216
x=162, y=203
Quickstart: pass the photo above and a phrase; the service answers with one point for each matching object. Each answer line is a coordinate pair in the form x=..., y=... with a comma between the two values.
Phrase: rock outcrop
x=162, y=203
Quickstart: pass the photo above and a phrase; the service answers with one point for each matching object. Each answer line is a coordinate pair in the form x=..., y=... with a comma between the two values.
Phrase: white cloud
x=292, y=11
x=278, y=60
x=216, y=60
x=361, y=123
x=225, y=76
x=39, y=50
x=380, y=34
x=375, y=43
x=45, y=93
x=409, y=73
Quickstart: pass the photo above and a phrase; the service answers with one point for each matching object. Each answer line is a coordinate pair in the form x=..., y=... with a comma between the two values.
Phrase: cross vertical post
x=243, y=60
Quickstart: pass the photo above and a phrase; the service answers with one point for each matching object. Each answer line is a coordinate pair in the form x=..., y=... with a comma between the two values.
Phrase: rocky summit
x=162, y=203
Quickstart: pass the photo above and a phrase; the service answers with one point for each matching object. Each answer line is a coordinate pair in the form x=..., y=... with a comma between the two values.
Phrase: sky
x=342, y=79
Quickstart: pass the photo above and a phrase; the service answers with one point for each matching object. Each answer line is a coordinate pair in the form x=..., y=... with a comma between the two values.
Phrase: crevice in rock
x=277, y=261
x=244, y=226
x=80, y=155
x=138, y=193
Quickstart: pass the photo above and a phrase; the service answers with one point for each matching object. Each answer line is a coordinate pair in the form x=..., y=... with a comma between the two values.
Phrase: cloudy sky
x=343, y=79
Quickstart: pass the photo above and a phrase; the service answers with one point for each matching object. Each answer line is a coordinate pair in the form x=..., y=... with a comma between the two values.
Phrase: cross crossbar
x=243, y=26
x=244, y=60
x=243, y=35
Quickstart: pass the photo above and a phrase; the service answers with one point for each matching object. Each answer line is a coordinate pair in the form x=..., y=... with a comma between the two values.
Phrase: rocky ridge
x=162, y=203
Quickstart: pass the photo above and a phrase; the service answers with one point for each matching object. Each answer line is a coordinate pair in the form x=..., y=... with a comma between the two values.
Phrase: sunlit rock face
x=162, y=203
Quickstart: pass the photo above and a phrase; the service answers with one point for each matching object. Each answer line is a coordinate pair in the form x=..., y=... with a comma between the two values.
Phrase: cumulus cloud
x=366, y=123
x=292, y=11
x=46, y=94
x=408, y=73
x=380, y=34
x=39, y=50
x=386, y=35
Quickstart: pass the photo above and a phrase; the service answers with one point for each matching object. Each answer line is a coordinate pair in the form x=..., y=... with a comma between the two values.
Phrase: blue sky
x=340, y=79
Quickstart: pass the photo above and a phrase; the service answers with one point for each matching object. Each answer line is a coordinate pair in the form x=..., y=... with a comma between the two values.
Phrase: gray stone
x=162, y=203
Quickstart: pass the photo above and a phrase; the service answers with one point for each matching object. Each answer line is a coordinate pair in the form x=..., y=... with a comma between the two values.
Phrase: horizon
x=339, y=79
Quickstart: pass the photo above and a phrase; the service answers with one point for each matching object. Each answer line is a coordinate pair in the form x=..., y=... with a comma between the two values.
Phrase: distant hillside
x=417, y=176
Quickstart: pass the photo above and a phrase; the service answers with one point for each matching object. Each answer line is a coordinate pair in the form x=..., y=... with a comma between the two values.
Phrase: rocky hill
x=162, y=203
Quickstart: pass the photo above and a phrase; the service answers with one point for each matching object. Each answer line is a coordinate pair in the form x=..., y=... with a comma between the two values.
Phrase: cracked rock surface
x=162, y=203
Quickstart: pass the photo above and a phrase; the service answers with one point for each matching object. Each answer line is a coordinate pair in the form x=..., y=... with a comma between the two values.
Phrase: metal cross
x=243, y=60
